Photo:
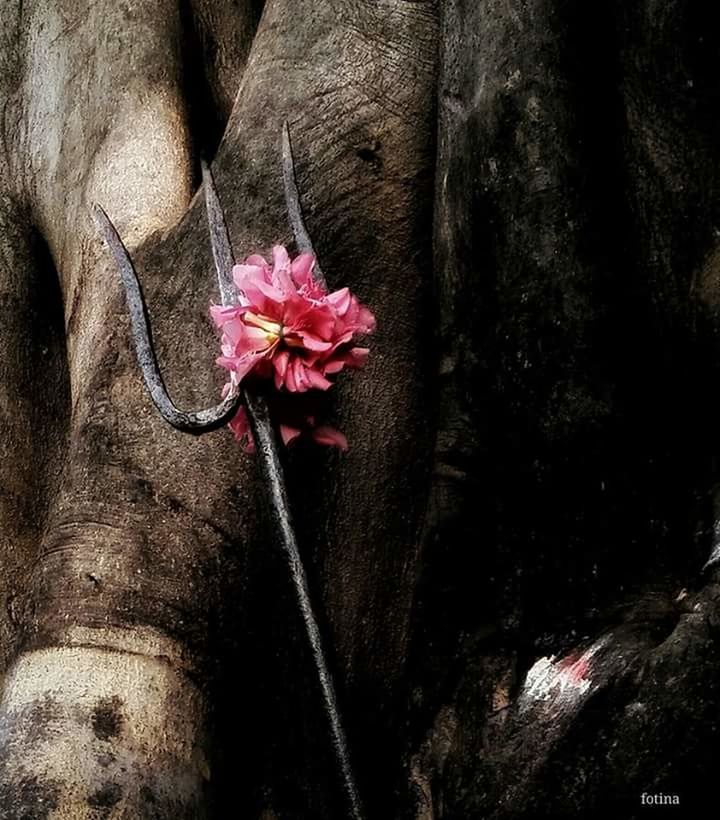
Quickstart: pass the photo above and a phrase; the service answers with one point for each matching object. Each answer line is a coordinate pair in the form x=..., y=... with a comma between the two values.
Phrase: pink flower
x=288, y=327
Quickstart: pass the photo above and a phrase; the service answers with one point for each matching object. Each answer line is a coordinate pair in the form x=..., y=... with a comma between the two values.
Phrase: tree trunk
x=507, y=563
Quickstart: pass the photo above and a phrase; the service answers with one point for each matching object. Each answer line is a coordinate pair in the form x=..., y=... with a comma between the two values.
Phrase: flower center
x=273, y=330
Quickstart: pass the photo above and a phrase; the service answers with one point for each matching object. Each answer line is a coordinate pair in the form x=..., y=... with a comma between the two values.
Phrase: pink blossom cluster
x=288, y=328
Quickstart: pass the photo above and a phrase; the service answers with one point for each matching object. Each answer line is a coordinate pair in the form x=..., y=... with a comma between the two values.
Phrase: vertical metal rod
x=271, y=470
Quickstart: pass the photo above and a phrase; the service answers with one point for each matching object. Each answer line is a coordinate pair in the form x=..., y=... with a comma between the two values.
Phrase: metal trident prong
x=292, y=201
x=258, y=415
x=195, y=423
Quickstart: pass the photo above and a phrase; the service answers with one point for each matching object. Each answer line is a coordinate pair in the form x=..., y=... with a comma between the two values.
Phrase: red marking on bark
x=576, y=669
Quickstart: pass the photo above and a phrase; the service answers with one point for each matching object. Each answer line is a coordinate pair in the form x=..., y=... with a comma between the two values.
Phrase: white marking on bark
x=562, y=682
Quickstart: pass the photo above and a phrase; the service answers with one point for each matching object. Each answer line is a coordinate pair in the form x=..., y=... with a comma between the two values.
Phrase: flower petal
x=317, y=380
x=288, y=434
x=270, y=291
x=340, y=300
x=311, y=342
x=243, y=273
x=290, y=382
x=302, y=268
x=358, y=356
x=333, y=366
x=240, y=427
x=221, y=314
x=280, y=363
x=281, y=258
x=301, y=380
x=330, y=437
x=257, y=261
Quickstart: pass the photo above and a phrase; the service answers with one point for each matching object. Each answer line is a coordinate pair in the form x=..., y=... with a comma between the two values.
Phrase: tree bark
x=507, y=563
x=151, y=535
x=572, y=502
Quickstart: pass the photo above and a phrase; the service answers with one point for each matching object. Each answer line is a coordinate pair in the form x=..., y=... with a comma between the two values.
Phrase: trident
x=204, y=421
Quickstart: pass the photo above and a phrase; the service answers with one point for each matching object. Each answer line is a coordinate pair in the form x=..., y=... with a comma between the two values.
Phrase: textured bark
x=572, y=504
x=146, y=544
x=507, y=563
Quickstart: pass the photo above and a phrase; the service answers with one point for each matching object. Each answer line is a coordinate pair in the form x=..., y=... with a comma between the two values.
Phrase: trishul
x=204, y=421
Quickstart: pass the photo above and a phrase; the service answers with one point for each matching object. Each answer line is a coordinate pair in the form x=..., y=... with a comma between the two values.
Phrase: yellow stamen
x=273, y=330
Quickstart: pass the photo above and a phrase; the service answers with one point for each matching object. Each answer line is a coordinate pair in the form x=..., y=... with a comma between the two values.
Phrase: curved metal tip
x=196, y=423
